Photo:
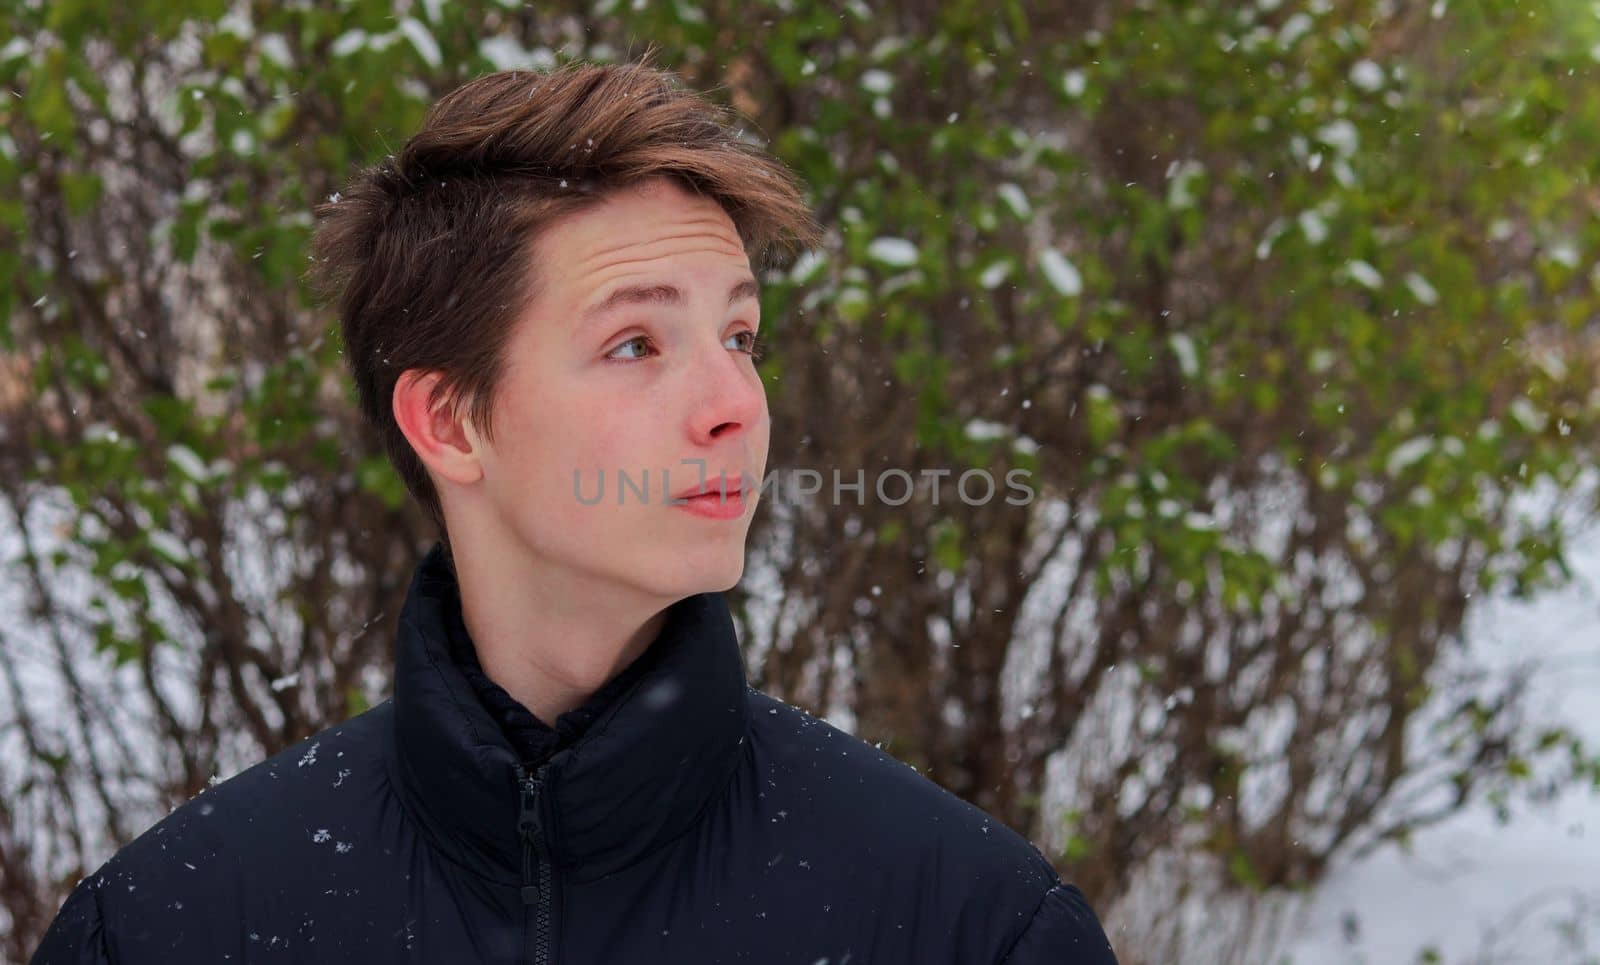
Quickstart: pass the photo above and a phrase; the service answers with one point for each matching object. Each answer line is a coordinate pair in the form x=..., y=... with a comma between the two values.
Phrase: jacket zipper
x=535, y=892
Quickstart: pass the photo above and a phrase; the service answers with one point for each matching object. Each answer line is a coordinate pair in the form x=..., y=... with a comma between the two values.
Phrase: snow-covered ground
x=1474, y=890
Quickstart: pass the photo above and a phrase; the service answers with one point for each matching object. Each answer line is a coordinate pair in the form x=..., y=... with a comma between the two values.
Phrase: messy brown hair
x=429, y=254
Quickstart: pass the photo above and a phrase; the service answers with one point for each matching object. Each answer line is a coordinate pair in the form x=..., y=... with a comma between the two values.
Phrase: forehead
x=634, y=229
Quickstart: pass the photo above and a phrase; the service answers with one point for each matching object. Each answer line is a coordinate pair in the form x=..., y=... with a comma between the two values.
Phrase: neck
x=548, y=637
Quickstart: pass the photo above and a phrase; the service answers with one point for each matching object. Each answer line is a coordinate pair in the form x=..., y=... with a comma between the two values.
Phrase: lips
x=715, y=486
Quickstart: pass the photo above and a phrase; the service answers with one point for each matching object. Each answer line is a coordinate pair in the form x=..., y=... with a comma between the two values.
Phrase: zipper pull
x=528, y=815
x=528, y=828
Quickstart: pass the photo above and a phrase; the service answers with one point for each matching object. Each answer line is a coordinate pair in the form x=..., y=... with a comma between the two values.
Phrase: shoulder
x=308, y=806
x=312, y=782
x=901, y=829
x=1064, y=929
x=885, y=797
x=995, y=895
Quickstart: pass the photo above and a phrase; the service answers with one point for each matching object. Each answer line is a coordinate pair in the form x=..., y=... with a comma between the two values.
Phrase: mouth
x=722, y=487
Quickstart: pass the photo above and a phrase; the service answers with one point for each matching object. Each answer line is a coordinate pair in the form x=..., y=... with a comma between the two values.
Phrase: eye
x=752, y=344
x=637, y=340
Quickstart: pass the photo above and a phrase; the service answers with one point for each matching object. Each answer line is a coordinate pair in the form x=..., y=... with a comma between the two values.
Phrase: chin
x=687, y=574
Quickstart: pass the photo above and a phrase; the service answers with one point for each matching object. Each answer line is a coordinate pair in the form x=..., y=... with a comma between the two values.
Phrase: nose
x=728, y=396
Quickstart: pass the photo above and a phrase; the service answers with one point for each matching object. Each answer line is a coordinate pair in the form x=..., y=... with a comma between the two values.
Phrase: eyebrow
x=660, y=295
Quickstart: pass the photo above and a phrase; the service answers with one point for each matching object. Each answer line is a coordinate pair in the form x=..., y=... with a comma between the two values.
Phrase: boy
x=552, y=285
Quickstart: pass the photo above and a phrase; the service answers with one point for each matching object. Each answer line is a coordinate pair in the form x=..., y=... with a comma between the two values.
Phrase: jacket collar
x=635, y=779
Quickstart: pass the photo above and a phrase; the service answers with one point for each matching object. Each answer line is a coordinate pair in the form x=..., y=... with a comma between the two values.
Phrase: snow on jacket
x=696, y=820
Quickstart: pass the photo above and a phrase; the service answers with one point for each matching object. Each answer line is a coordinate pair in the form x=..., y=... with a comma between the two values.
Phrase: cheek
x=539, y=443
x=591, y=435
x=763, y=426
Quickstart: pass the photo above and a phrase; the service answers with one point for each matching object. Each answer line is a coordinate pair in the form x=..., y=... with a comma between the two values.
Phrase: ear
x=445, y=441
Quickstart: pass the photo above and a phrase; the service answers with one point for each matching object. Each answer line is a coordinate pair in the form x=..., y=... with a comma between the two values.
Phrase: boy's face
x=637, y=388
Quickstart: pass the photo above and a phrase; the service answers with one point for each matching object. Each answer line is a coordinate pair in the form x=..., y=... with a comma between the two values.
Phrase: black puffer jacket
x=694, y=820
